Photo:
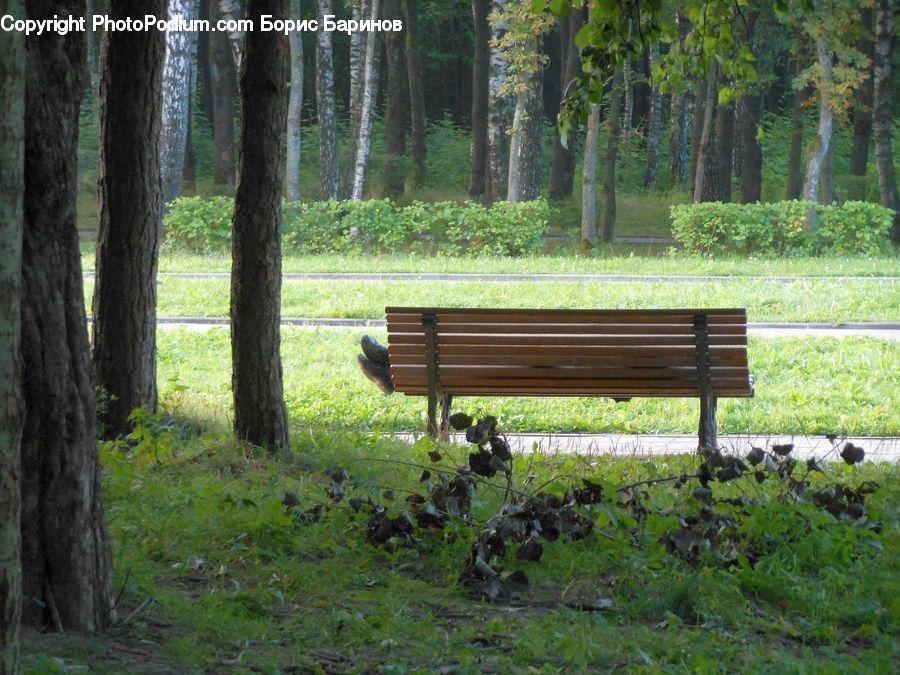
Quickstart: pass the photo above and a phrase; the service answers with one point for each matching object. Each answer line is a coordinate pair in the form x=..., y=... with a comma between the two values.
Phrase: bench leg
x=431, y=424
x=446, y=402
x=708, y=439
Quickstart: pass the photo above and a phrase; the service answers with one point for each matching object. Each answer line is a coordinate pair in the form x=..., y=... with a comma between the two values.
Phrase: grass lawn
x=803, y=385
x=216, y=575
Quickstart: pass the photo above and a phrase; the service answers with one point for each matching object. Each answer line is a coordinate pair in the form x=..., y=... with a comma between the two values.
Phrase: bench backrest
x=534, y=352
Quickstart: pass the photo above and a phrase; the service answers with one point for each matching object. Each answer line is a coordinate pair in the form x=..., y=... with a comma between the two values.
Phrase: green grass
x=818, y=385
x=809, y=300
x=617, y=259
x=216, y=576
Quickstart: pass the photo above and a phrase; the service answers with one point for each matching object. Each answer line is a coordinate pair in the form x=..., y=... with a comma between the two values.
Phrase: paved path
x=455, y=277
x=878, y=448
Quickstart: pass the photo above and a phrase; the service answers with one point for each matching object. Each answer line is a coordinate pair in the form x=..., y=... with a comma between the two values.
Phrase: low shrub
x=716, y=227
x=375, y=225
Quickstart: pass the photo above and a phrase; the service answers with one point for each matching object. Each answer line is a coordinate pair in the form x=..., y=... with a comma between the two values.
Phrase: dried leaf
x=531, y=551
x=460, y=421
x=756, y=455
x=783, y=449
x=853, y=454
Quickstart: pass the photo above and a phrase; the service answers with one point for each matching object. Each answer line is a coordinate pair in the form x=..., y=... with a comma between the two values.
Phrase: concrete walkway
x=878, y=448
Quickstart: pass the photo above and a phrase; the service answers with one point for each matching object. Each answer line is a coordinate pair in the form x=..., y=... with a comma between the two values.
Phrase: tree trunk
x=862, y=112
x=562, y=162
x=231, y=11
x=396, y=105
x=614, y=131
x=416, y=96
x=480, y=75
x=124, y=303
x=737, y=146
x=329, y=170
x=356, y=62
x=828, y=189
x=705, y=156
x=223, y=76
x=498, y=113
x=367, y=110
x=66, y=563
x=884, y=153
x=654, y=123
x=525, y=147
x=697, y=113
x=176, y=94
x=679, y=133
x=724, y=150
x=589, y=179
x=12, y=404
x=825, y=57
x=627, y=116
x=295, y=109
x=795, y=159
x=260, y=414
x=751, y=172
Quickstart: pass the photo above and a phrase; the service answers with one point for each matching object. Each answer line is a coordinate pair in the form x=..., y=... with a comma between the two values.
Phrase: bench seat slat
x=516, y=359
x=556, y=340
x=555, y=314
x=567, y=329
x=554, y=392
x=445, y=372
x=626, y=350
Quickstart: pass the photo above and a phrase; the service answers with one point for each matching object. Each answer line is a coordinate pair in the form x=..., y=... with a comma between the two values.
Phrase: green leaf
x=725, y=95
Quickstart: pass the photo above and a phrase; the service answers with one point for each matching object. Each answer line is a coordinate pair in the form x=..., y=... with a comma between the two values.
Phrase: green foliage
x=715, y=227
x=373, y=226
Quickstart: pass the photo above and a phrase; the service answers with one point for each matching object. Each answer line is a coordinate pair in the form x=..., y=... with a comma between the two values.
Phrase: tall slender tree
x=862, y=109
x=884, y=153
x=724, y=150
x=231, y=12
x=654, y=124
x=124, y=302
x=260, y=412
x=613, y=134
x=794, y=188
x=525, y=147
x=704, y=187
x=481, y=10
x=367, y=107
x=66, y=562
x=329, y=170
x=562, y=161
x=589, y=179
x=498, y=108
x=223, y=81
x=825, y=59
x=418, y=126
x=295, y=109
x=396, y=104
x=12, y=404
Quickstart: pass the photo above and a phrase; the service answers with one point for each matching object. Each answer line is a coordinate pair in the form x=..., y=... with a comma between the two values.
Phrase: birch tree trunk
x=654, y=124
x=295, y=108
x=223, y=76
x=396, y=104
x=418, y=127
x=562, y=162
x=614, y=131
x=589, y=179
x=12, y=403
x=825, y=57
x=359, y=10
x=525, y=146
x=480, y=76
x=498, y=113
x=704, y=154
x=367, y=110
x=260, y=414
x=66, y=563
x=231, y=11
x=124, y=303
x=329, y=170
x=180, y=51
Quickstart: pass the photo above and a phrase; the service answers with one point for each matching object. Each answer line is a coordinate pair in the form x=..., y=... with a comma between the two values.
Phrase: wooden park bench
x=442, y=353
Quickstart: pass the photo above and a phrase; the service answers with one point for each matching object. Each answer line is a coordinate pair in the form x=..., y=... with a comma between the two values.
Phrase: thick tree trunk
x=260, y=414
x=295, y=109
x=396, y=104
x=825, y=58
x=416, y=96
x=862, y=111
x=654, y=123
x=525, y=147
x=884, y=153
x=562, y=162
x=613, y=131
x=480, y=75
x=828, y=188
x=794, y=188
x=223, y=76
x=724, y=150
x=124, y=303
x=589, y=179
x=703, y=185
x=66, y=564
x=180, y=51
x=367, y=107
x=498, y=114
x=751, y=171
x=329, y=170
x=231, y=11
x=12, y=403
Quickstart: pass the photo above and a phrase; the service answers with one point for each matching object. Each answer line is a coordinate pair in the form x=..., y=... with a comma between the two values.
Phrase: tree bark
x=12, y=404
x=356, y=63
x=724, y=150
x=260, y=412
x=825, y=57
x=124, y=303
x=180, y=50
x=751, y=172
x=329, y=170
x=418, y=150
x=367, y=110
x=396, y=105
x=498, y=113
x=705, y=156
x=614, y=131
x=884, y=153
x=679, y=135
x=562, y=162
x=589, y=179
x=862, y=110
x=223, y=76
x=66, y=564
x=654, y=123
x=481, y=9
x=295, y=109
x=795, y=158
x=525, y=146
x=697, y=113
x=231, y=11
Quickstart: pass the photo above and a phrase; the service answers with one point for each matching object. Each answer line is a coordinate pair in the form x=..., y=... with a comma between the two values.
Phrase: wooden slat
x=650, y=351
x=551, y=392
x=516, y=359
x=568, y=329
x=559, y=340
x=629, y=384
x=549, y=314
x=448, y=372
